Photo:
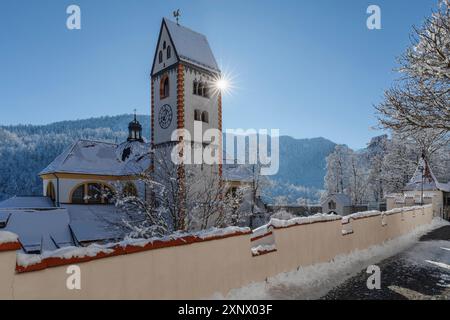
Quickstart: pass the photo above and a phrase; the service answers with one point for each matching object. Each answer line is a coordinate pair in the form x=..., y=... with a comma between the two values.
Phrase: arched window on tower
x=160, y=56
x=200, y=89
x=205, y=117
x=164, y=45
x=169, y=52
x=164, y=87
x=205, y=91
x=195, y=91
x=197, y=115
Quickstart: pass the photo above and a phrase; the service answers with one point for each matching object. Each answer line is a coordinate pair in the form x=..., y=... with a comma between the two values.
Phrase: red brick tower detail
x=181, y=174
x=152, y=112
x=219, y=105
x=180, y=96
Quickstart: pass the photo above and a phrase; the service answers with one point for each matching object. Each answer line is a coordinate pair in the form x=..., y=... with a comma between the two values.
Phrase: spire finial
x=177, y=15
x=134, y=114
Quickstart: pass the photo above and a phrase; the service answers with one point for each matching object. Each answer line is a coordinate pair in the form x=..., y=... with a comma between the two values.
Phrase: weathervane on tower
x=177, y=15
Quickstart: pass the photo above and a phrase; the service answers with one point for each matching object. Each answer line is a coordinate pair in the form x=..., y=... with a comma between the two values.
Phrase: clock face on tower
x=165, y=116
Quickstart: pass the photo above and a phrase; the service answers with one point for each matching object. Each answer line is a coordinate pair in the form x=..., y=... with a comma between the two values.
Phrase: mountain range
x=26, y=149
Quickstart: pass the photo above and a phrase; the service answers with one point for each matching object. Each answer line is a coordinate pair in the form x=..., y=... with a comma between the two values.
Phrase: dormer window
x=160, y=56
x=164, y=87
x=169, y=52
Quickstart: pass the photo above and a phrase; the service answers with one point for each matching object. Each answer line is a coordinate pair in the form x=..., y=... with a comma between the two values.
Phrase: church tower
x=182, y=83
x=183, y=92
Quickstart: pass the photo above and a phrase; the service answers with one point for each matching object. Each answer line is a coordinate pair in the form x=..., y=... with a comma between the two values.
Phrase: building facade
x=423, y=188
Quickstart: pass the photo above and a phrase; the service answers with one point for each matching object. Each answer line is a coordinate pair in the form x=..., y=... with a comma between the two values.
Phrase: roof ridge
x=96, y=141
x=186, y=28
x=69, y=151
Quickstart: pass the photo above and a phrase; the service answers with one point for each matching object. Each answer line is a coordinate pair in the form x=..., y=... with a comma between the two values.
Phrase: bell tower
x=184, y=96
x=183, y=88
x=135, y=130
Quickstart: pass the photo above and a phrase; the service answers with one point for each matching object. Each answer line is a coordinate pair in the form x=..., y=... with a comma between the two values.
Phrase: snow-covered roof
x=27, y=203
x=424, y=174
x=71, y=225
x=102, y=158
x=191, y=47
x=40, y=230
x=237, y=172
x=340, y=198
x=95, y=223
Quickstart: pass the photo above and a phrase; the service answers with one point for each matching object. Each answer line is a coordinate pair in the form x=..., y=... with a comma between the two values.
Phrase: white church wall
x=161, y=134
x=195, y=102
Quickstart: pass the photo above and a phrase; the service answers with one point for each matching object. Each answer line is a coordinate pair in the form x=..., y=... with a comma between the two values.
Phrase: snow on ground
x=313, y=282
x=8, y=237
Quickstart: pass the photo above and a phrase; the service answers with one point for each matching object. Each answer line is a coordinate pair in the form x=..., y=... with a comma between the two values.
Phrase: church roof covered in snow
x=340, y=198
x=96, y=223
x=39, y=230
x=425, y=174
x=191, y=47
x=237, y=172
x=27, y=203
x=102, y=158
x=71, y=225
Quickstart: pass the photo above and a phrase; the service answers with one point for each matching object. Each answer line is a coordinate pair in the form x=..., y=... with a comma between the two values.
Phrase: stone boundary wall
x=199, y=265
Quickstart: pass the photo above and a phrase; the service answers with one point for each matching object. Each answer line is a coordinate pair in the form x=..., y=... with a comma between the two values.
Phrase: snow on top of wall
x=314, y=281
x=320, y=217
x=263, y=248
x=25, y=260
x=404, y=209
x=220, y=232
x=264, y=229
x=358, y=215
x=8, y=237
x=93, y=250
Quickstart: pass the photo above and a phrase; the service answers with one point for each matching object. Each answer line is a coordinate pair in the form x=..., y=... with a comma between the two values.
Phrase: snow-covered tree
x=337, y=177
x=357, y=186
x=399, y=164
x=375, y=157
x=142, y=218
x=421, y=98
x=234, y=213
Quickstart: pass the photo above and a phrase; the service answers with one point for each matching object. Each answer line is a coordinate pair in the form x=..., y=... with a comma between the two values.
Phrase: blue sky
x=308, y=67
